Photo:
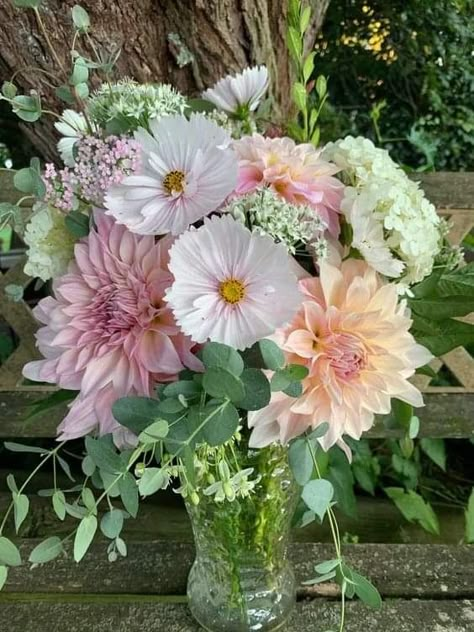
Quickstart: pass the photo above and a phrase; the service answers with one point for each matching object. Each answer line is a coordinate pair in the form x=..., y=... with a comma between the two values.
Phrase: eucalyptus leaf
x=84, y=536
x=11, y=483
x=318, y=494
x=59, y=504
x=20, y=447
x=9, y=90
x=220, y=383
x=121, y=547
x=301, y=461
x=21, y=506
x=320, y=580
x=80, y=73
x=366, y=591
x=152, y=480
x=88, y=466
x=188, y=388
x=9, y=553
x=272, y=355
x=436, y=450
x=77, y=224
x=129, y=494
x=89, y=500
x=222, y=424
x=157, y=431
x=326, y=567
x=112, y=523
x=46, y=551
x=3, y=576
x=136, y=413
x=27, y=4
x=80, y=18
x=103, y=454
x=217, y=355
x=257, y=390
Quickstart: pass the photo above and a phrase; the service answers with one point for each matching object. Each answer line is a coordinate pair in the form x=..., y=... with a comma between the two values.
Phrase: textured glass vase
x=241, y=579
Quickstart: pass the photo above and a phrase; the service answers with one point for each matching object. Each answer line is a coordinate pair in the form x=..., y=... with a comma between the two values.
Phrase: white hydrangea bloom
x=395, y=228
x=136, y=103
x=72, y=125
x=243, y=90
x=270, y=214
x=51, y=245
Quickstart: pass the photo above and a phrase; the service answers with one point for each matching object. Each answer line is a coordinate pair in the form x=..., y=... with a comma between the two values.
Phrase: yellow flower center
x=173, y=182
x=232, y=291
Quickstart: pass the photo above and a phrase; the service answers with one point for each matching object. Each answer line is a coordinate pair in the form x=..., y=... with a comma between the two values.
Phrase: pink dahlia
x=231, y=285
x=108, y=332
x=296, y=172
x=353, y=336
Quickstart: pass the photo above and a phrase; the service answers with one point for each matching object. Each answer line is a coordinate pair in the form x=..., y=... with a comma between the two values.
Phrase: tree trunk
x=189, y=43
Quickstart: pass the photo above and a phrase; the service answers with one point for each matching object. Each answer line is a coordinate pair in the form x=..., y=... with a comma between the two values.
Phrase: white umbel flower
x=395, y=228
x=51, y=245
x=72, y=125
x=243, y=90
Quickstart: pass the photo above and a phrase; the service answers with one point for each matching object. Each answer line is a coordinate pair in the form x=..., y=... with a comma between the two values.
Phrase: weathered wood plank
x=152, y=615
x=447, y=415
x=163, y=516
x=161, y=567
x=448, y=189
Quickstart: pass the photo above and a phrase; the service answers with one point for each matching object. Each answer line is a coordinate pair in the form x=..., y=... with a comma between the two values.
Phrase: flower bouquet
x=230, y=300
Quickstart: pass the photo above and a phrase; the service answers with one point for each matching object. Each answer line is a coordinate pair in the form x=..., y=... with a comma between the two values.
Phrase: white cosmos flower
x=242, y=90
x=231, y=286
x=187, y=171
x=72, y=125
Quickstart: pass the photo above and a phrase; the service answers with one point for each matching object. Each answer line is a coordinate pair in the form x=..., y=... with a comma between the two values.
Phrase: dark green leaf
x=222, y=425
x=200, y=105
x=219, y=356
x=257, y=390
x=340, y=475
x=188, y=388
x=436, y=450
x=366, y=591
x=442, y=308
x=222, y=384
x=55, y=399
x=103, y=454
x=414, y=508
x=444, y=335
x=294, y=389
x=65, y=94
x=272, y=355
x=136, y=413
x=460, y=281
x=129, y=494
x=77, y=224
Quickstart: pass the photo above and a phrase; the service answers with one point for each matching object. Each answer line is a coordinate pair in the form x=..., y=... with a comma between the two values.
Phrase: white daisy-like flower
x=51, y=245
x=243, y=90
x=72, y=125
x=231, y=285
x=187, y=171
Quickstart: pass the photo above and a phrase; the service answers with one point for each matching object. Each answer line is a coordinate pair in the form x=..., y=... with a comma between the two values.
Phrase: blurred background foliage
x=402, y=73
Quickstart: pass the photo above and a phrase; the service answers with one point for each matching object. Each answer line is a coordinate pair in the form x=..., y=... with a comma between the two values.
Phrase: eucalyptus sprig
x=309, y=101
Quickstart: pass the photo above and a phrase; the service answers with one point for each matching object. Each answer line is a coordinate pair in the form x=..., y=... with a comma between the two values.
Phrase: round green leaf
x=272, y=355
x=317, y=494
x=222, y=425
x=155, y=432
x=136, y=413
x=220, y=383
x=129, y=494
x=257, y=390
x=80, y=17
x=301, y=461
x=219, y=356
x=152, y=480
x=80, y=73
x=112, y=523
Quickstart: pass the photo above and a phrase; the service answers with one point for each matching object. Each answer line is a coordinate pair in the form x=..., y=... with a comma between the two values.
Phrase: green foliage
x=414, y=508
x=78, y=224
x=46, y=551
x=28, y=180
x=415, y=56
x=80, y=18
x=9, y=553
x=470, y=519
x=318, y=494
x=27, y=4
x=84, y=536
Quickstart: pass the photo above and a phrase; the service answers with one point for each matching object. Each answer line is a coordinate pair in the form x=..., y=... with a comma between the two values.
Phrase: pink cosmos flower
x=108, y=332
x=296, y=172
x=231, y=285
x=187, y=171
x=354, y=338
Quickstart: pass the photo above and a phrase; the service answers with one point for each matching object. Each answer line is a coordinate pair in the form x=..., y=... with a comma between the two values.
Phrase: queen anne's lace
x=395, y=228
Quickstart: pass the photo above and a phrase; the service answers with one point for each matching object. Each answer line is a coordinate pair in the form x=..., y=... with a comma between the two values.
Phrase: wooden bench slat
x=124, y=615
x=446, y=415
x=161, y=567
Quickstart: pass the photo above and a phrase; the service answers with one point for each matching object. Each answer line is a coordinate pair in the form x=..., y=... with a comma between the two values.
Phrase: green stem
x=28, y=480
x=48, y=41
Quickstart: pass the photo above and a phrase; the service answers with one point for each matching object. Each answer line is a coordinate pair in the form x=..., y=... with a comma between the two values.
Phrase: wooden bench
x=427, y=586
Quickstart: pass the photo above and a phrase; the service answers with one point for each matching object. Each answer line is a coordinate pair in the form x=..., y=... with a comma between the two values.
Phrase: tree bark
x=155, y=36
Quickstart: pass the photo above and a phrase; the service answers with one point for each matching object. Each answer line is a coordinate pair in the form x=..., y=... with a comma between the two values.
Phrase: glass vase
x=241, y=579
